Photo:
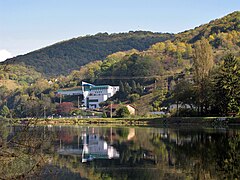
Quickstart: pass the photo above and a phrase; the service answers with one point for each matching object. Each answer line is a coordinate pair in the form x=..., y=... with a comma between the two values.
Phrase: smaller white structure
x=157, y=113
x=179, y=106
x=95, y=94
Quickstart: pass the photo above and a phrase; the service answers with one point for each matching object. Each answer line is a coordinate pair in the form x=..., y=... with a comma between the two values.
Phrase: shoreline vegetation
x=153, y=121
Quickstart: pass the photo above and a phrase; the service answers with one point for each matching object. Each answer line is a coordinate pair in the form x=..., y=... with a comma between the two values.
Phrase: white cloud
x=4, y=54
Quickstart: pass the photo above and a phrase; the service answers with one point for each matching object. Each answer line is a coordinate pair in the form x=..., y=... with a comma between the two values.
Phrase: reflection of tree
x=129, y=154
x=228, y=161
x=123, y=132
x=169, y=154
x=162, y=150
x=69, y=167
x=22, y=152
x=196, y=156
x=207, y=155
x=190, y=154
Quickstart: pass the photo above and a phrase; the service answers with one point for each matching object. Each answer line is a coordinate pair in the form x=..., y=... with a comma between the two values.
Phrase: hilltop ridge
x=63, y=57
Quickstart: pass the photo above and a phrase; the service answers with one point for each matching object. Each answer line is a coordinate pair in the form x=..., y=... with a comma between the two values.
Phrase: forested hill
x=228, y=23
x=63, y=57
x=168, y=57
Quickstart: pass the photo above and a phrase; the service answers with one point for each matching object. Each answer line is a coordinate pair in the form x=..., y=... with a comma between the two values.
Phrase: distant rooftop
x=92, y=86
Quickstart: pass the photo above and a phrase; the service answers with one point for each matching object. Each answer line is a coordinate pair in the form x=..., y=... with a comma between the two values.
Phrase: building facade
x=70, y=91
x=95, y=94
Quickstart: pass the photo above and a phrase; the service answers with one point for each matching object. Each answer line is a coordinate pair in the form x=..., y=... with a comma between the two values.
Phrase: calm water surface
x=81, y=152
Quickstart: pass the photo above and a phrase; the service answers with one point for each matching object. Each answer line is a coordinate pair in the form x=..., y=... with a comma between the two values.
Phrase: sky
x=27, y=25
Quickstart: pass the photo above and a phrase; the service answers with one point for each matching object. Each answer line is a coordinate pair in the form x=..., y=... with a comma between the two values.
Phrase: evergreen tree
x=139, y=88
x=228, y=86
x=127, y=88
x=121, y=87
x=134, y=87
x=121, y=94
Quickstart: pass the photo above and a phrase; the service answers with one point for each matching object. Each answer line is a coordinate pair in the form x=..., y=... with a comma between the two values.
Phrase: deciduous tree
x=122, y=112
x=5, y=111
x=202, y=65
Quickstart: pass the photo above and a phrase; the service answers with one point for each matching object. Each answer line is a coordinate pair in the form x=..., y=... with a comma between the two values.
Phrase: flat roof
x=78, y=88
x=100, y=87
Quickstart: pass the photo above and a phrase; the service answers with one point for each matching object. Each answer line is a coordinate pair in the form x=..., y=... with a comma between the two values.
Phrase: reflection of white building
x=96, y=148
x=95, y=94
x=93, y=147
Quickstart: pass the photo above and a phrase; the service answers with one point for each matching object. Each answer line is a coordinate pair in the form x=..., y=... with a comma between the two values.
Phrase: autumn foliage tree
x=202, y=65
x=65, y=108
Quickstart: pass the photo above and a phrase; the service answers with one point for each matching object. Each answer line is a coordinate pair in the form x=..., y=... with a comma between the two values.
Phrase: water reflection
x=127, y=153
x=92, y=147
x=23, y=150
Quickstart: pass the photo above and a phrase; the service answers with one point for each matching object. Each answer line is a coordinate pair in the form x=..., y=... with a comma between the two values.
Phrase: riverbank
x=213, y=121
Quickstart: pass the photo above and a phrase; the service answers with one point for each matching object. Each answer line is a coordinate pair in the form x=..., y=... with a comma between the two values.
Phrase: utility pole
x=78, y=140
x=111, y=135
x=111, y=109
x=44, y=112
x=60, y=99
x=166, y=84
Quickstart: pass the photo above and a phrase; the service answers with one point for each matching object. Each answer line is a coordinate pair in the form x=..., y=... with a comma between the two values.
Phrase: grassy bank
x=133, y=121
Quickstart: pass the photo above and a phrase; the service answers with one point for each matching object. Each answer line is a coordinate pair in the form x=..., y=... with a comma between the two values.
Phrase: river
x=93, y=152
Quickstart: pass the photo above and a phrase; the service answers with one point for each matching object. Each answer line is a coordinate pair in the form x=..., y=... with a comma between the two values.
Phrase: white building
x=70, y=91
x=95, y=94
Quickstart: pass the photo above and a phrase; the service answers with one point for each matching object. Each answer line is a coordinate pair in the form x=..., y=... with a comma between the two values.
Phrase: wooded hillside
x=63, y=57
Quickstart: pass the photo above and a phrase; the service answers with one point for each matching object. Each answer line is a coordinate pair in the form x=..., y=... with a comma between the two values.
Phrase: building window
x=93, y=100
